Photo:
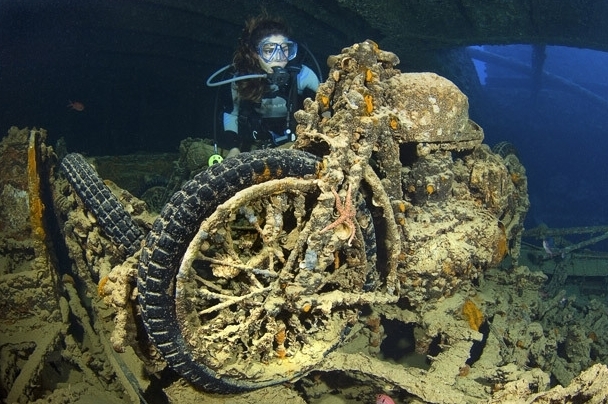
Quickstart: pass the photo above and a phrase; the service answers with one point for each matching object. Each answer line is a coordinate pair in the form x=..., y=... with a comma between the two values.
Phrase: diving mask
x=276, y=52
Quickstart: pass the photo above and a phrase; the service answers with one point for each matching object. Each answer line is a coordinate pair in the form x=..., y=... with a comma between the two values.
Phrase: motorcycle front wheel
x=238, y=287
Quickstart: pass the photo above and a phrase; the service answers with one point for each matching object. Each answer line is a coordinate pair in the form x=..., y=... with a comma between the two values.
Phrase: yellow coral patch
x=502, y=245
x=101, y=292
x=324, y=100
x=393, y=123
x=369, y=106
x=280, y=336
x=36, y=205
x=472, y=314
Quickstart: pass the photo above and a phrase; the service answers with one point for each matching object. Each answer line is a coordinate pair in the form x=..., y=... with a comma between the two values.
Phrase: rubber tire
x=170, y=236
x=111, y=215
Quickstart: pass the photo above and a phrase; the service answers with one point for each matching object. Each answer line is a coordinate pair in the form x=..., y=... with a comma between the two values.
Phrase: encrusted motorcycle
x=261, y=265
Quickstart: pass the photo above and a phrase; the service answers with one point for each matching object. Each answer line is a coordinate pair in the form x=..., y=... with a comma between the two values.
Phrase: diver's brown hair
x=245, y=58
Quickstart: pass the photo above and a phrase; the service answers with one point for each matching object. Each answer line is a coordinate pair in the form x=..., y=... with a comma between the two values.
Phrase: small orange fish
x=76, y=105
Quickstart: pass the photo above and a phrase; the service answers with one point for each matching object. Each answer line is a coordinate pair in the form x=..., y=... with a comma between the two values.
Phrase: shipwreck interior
x=461, y=261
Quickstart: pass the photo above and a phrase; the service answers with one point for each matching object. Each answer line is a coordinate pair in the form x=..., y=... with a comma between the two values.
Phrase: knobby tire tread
x=111, y=215
x=170, y=236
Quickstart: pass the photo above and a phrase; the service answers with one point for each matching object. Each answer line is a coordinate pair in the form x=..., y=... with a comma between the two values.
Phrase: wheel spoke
x=227, y=300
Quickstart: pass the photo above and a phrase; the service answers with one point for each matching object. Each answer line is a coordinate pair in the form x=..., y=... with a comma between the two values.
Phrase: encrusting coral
x=472, y=314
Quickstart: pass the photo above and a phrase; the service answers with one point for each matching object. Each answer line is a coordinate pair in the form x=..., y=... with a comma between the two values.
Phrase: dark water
x=136, y=99
x=559, y=125
x=55, y=52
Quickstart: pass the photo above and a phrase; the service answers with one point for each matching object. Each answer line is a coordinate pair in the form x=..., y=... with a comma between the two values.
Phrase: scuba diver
x=268, y=84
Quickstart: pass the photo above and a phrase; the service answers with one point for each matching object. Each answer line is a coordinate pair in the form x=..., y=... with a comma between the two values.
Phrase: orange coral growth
x=369, y=106
x=394, y=124
x=502, y=246
x=430, y=189
x=472, y=314
x=266, y=174
x=101, y=292
x=336, y=260
x=36, y=205
x=280, y=336
x=368, y=75
x=324, y=100
x=516, y=178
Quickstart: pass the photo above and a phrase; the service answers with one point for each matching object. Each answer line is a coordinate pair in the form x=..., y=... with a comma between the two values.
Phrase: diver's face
x=270, y=49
